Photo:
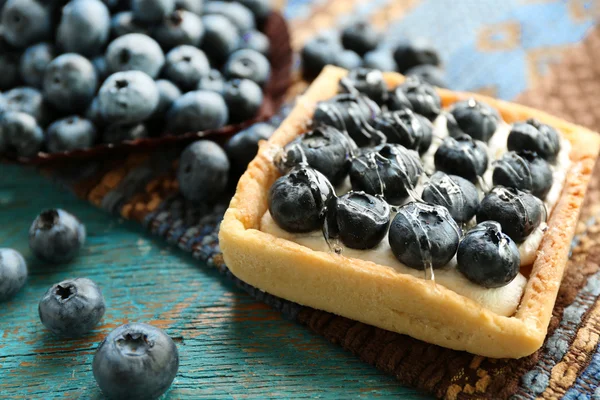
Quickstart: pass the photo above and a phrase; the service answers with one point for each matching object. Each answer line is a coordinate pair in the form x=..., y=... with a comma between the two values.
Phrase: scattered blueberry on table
x=56, y=236
x=13, y=273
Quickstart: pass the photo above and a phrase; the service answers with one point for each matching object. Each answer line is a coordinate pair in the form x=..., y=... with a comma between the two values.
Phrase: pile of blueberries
x=360, y=45
x=372, y=140
x=80, y=72
x=142, y=355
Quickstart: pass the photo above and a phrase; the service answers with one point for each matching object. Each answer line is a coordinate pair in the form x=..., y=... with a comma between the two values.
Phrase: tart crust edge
x=372, y=294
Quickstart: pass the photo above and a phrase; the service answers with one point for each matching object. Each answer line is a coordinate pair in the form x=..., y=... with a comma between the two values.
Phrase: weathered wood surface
x=230, y=345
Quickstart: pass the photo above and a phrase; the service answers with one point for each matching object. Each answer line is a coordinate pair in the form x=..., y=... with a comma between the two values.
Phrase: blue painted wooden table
x=230, y=345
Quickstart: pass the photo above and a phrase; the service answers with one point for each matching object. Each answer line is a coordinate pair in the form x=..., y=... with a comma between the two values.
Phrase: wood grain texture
x=230, y=345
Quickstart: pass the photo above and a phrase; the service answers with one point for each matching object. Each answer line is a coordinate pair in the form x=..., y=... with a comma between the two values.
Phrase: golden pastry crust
x=370, y=293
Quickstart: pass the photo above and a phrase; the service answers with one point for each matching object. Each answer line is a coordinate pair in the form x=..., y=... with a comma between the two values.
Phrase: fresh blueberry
x=33, y=63
x=9, y=68
x=518, y=212
x=381, y=59
x=135, y=52
x=431, y=74
x=185, y=65
x=352, y=114
x=297, y=201
x=525, y=171
x=213, y=81
x=221, y=38
x=411, y=54
x=248, y=64
x=20, y=133
x=255, y=40
x=427, y=138
x=25, y=22
x=402, y=127
x=203, y=171
x=194, y=6
x=319, y=52
x=195, y=111
x=534, y=136
x=487, y=256
x=462, y=156
x=93, y=113
x=420, y=96
x=116, y=5
x=457, y=194
x=123, y=23
x=325, y=149
x=243, y=146
x=359, y=219
x=168, y=93
x=179, y=28
x=150, y=11
x=13, y=273
x=56, y=236
x=136, y=361
x=72, y=307
x=369, y=82
x=473, y=118
x=390, y=170
x=117, y=133
x=237, y=13
x=348, y=59
x=360, y=37
x=70, y=133
x=84, y=27
x=101, y=68
x=29, y=101
x=260, y=8
x=70, y=82
x=243, y=98
x=127, y=97
x=424, y=236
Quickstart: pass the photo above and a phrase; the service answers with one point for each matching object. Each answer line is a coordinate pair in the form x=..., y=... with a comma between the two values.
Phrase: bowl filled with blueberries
x=85, y=77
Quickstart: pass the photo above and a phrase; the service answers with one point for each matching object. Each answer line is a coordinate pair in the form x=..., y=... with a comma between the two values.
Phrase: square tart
x=375, y=295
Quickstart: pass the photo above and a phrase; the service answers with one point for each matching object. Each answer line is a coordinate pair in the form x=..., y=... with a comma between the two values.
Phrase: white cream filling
x=504, y=300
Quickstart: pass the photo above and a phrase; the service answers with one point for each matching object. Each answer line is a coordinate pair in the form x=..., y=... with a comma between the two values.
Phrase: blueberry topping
x=70, y=82
x=359, y=219
x=412, y=54
x=179, y=28
x=350, y=113
x=33, y=63
x=213, y=82
x=56, y=236
x=243, y=146
x=473, y=118
x=391, y=170
x=325, y=149
x=70, y=133
x=458, y=195
x=244, y=98
x=151, y=11
x=319, y=52
x=141, y=355
x=347, y=59
x=25, y=22
x=196, y=111
x=360, y=37
x=203, y=171
x=255, y=40
x=534, y=136
x=518, y=213
x=525, y=171
x=424, y=236
x=185, y=65
x=431, y=74
x=487, y=256
x=248, y=64
x=84, y=27
x=462, y=156
x=369, y=82
x=381, y=59
x=402, y=127
x=72, y=308
x=127, y=97
x=297, y=201
x=135, y=51
x=117, y=133
x=421, y=97
x=427, y=138
x=221, y=38
x=13, y=273
x=235, y=12
x=20, y=133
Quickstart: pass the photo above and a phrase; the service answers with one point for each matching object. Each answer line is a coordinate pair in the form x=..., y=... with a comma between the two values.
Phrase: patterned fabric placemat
x=538, y=52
